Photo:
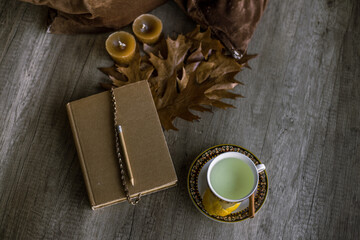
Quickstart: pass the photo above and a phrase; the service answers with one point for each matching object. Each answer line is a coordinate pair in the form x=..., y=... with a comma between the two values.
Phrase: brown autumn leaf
x=204, y=40
x=138, y=69
x=196, y=56
x=159, y=49
x=245, y=58
x=193, y=97
x=191, y=74
x=224, y=64
x=204, y=86
x=167, y=68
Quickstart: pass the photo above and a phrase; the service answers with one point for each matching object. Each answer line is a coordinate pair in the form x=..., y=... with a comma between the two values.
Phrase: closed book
x=92, y=124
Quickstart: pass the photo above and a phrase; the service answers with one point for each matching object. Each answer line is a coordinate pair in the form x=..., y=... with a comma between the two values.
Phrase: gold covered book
x=92, y=124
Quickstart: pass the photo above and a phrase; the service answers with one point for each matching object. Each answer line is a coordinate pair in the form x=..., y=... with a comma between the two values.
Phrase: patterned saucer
x=197, y=185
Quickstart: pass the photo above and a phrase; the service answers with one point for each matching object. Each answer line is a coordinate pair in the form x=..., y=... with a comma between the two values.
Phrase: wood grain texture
x=301, y=117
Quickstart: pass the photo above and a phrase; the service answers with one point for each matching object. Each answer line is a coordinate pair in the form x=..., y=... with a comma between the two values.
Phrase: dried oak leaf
x=159, y=49
x=199, y=86
x=245, y=58
x=196, y=56
x=167, y=68
x=203, y=41
x=138, y=69
x=193, y=96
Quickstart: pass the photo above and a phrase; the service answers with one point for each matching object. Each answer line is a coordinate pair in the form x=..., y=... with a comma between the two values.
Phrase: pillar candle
x=147, y=28
x=121, y=47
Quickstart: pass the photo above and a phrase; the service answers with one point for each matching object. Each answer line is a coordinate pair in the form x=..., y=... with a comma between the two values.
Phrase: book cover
x=92, y=124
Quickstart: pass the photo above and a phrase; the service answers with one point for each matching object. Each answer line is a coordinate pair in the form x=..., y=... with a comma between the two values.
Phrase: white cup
x=256, y=169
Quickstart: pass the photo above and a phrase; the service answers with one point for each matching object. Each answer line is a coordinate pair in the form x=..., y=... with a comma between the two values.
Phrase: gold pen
x=126, y=157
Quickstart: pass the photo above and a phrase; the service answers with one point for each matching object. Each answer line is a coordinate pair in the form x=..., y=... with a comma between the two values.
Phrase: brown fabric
x=232, y=21
x=88, y=16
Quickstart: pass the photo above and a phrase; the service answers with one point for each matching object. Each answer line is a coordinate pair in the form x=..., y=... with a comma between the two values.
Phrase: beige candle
x=147, y=28
x=121, y=47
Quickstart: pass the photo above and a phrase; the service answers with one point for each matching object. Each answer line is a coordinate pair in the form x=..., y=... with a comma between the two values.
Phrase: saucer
x=197, y=184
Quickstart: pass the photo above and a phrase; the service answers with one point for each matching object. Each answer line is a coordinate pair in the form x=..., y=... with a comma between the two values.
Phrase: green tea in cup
x=232, y=178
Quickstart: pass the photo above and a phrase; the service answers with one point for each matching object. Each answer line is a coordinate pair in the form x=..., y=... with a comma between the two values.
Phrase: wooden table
x=301, y=117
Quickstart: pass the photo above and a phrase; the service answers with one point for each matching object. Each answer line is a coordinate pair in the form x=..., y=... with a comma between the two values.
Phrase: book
x=92, y=124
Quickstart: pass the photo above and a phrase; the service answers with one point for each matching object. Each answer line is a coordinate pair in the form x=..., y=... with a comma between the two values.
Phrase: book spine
x=80, y=155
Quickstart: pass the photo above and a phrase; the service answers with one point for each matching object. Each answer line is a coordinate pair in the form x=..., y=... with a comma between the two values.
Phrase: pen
x=126, y=157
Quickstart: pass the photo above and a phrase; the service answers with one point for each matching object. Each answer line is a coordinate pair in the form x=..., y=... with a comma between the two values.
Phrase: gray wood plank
x=301, y=117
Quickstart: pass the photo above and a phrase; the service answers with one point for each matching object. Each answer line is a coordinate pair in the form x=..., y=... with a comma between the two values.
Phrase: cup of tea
x=232, y=178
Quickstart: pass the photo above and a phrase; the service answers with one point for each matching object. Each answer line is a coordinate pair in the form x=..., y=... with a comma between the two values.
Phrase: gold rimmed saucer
x=197, y=185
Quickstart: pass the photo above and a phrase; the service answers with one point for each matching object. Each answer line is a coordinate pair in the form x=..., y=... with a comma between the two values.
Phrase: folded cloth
x=89, y=16
x=232, y=21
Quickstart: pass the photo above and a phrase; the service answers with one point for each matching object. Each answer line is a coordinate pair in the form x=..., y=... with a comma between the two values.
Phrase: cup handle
x=260, y=168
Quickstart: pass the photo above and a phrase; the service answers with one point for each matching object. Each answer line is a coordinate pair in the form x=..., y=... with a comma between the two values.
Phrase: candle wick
x=121, y=44
x=144, y=27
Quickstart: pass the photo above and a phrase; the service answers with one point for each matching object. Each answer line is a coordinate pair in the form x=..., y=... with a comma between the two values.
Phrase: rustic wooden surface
x=301, y=117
